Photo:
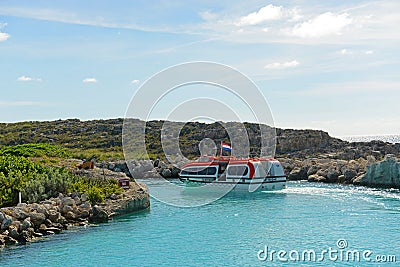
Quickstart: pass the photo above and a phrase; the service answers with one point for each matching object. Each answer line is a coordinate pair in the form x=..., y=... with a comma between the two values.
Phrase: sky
x=331, y=65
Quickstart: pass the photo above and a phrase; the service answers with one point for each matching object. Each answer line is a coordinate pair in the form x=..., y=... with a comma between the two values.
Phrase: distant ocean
x=392, y=138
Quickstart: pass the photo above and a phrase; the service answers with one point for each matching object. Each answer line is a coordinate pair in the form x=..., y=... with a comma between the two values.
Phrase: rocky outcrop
x=325, y=169
x=140, y=169
x=385, y=173
x=26, y=222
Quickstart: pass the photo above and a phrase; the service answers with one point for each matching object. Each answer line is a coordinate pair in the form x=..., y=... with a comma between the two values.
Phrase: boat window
x=202, y=171
x=238, y=170
x=211, y=170
x=199, y=171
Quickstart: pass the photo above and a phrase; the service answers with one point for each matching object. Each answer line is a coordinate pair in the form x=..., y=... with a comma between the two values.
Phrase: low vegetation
x=37, y=181
x=35, y=150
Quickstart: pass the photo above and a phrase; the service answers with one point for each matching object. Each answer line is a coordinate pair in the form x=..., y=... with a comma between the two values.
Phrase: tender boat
x=249, y=174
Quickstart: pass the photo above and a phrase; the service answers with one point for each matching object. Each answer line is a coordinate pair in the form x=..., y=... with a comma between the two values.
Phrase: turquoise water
x=231, y=231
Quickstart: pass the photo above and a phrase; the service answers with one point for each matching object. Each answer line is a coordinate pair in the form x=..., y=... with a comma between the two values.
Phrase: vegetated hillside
x=106, y=135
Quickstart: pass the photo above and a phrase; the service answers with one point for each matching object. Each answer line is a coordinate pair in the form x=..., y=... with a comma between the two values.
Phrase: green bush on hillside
x=35, y=150
x=37, y=182
x=46, y=185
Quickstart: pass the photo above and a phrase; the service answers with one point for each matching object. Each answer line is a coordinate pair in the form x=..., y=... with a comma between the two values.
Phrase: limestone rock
x=26, y=224
x=37, y=218
x=316, y=178
x=2, y=216
x=385, y=173
x=6, y=222
x=98, y=214
x=54, y=216
x=349, y=174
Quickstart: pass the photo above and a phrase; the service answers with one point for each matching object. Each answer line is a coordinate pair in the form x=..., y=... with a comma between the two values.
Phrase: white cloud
x=135, y=81
x=269, y=12
x=294, y=14
x=90, y=80
x=208, y=15
x=345, y=51
x=323, y=25
x=282, y=65
x=28, y=79
x=4, y=36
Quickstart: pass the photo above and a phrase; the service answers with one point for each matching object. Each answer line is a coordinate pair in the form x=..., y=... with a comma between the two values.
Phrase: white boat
x=246, y=174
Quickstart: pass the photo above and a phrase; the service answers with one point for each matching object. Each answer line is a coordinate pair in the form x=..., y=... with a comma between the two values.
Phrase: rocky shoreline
x=29, y=222
x=367, y=172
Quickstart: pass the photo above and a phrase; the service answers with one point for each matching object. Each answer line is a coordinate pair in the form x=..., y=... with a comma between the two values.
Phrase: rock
x=70, y=215
x=77, y=200
x=54, y=230
x=36, y=234
x=84, y=197
x=49, y=202
x=66, y=209
x=349, y=174
x=16, y=224
x=98, y=214
x=298, y=174
x=150, y=174
x=84, y=214
x=312, y=170
x=86, y=206
x=68, y=201
x=26, y=236
x=2, y=216
x=332, y=175
x=39, y=208
x=114, y=197
x=385, y=173
x=357, y=180
x=26, y=224
x=370, y=160
x=9, y=241
x=111, y=166
x=6, y=222
x=48, y=232
x=19, y=214
x=48, y=223
x=42, y=227
x=37, y=218
x=13, y=232
x=54, y=216
x=316, y=178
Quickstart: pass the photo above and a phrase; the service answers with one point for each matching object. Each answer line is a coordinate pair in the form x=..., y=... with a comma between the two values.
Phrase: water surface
x=231, y=231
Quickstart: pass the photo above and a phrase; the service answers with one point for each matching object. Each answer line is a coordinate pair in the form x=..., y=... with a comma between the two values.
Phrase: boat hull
x=249, y=185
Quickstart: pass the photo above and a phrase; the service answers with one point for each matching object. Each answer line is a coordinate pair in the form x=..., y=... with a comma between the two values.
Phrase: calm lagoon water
x=232, y=230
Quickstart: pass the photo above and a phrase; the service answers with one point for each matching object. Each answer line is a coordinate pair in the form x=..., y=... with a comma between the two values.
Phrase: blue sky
x=330, y=65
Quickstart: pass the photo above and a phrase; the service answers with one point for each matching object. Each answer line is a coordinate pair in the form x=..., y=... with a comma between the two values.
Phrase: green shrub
x=35, y=150
x=95, y=195
x=47, y=185
x=96, y=188
x=15, y=172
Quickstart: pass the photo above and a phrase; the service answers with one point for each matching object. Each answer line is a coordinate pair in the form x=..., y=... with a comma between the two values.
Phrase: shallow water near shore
x=232, y=230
